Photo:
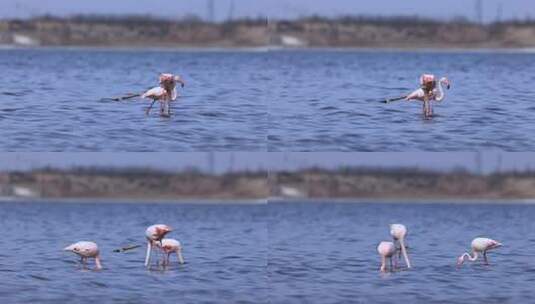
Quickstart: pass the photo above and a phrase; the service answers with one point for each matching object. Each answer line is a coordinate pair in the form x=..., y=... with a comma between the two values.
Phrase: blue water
x=50, y=100
x=224, y=248
x=328, y=101
x=279, y=253
x=326, y=253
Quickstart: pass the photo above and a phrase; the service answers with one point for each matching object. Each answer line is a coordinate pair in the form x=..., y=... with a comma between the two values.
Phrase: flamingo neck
x=471, y=258
x=404, y=252
x=441, y=94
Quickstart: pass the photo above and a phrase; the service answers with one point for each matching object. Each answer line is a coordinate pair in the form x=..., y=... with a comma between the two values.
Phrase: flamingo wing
x=417, y=94
x=154, y=93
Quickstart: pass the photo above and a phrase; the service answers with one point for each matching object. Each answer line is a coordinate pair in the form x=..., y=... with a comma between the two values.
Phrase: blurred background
x=243, y=176
x=289, y=23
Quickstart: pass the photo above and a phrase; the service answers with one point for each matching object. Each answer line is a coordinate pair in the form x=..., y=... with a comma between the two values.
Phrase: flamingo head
x=446, y=82
x=179, y=80
x=72, y=248
x=160, y=231
x=494, y=244
x=460, y=260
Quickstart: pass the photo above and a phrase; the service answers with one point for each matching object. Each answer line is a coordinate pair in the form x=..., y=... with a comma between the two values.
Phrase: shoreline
x=408, y=201
x=88, y=200
x=271, y=48
x=274, y=200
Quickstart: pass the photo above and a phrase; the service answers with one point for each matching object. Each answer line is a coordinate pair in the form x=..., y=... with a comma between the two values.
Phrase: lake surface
x=51, y=100
x=276, y=253
x=326, y=253
x=224, y=248
x=328, y=101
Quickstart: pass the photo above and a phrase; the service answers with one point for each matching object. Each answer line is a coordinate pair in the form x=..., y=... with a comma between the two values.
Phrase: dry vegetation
x=312, y=183
x=404, y=183
x=136, y=184
x=351, y=31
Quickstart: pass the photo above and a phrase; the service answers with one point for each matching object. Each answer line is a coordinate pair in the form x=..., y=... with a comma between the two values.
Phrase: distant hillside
x=376, y=32
x=133, y=31
x=402, y=32
x=133, y=184
x=401, y=183
x=369, y=183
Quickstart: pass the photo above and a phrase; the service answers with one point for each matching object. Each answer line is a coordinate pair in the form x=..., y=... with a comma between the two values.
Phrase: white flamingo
x=386, y=250
x=169, y=246
x=86, y=250
x=155, y=233
x=429, y=91
x=398, y=233
x=479, y=245
x=165, y=93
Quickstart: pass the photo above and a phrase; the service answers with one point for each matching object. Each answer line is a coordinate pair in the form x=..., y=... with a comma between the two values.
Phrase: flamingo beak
x=69, y=248
x=179, y=80
x=448, y=86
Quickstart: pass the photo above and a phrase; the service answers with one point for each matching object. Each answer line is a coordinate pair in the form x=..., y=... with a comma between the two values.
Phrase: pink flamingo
x=386, y=250
x=86, y=250
x=165, y=93
x=429, y=91
x=155, y=233
x=169, y=246
x=398, y=233
x=479, y=245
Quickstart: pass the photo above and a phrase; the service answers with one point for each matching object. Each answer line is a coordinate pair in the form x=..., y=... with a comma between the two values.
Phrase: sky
x=272, y=8
x=231, y=161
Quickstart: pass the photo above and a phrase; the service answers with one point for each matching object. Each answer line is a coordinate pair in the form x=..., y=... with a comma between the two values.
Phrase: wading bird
x=86, y=250
x=169, y=246
x=429, y=91
x=165, y=93
x=399, y=232
x=386, y=250
x=155, y=233
x=479, y=245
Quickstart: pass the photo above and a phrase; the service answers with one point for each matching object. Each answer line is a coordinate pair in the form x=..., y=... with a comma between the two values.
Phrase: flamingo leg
x=147, y=256
x=391, y=265
x=150, y=107
x=485, y=258
x=383, y=264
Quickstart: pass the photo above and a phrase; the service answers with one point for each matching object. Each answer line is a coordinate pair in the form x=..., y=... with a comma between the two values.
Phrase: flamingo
x=398, y=233
x=169, y=246
x=386, y=250
x=155, y=233
x=165, y=93
x=429, y=91
x=86, y=250
x=479, y=245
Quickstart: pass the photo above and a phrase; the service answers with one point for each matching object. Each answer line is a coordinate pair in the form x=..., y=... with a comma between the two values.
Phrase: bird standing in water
x=398, y=233
x=429, y=91
x=169, y=246
x=479, y=245
x=386, y=250
x=86, y=250
x=154, y=234
x=165, y=93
